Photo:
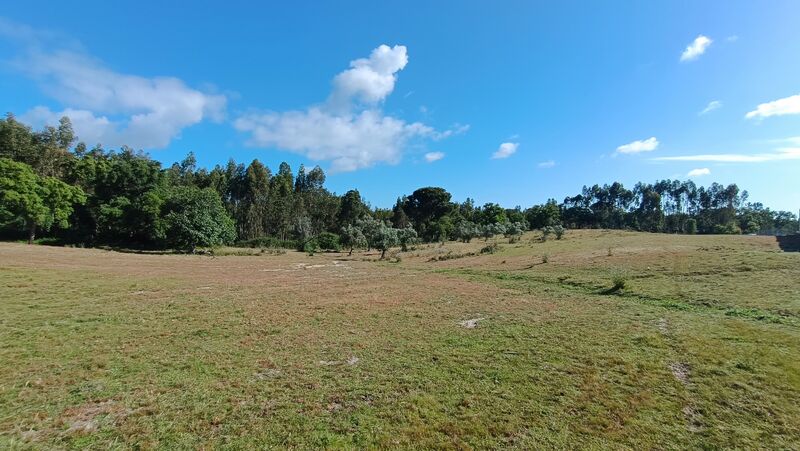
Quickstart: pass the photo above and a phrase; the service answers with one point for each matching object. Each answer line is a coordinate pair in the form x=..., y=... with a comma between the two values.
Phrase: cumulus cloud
x=505, y=150
x=349, y=129
x=699, y=172
x=350, y=142
x=107, y=106
x=371, y=79
x=696, y=48
x=430, y=157
x=780, y=107
x=546, y=164
x=646, y=145
x=785, y=153
x=713, y=105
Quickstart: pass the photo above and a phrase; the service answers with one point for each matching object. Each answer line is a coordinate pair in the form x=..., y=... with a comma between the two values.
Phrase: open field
x=699, y=349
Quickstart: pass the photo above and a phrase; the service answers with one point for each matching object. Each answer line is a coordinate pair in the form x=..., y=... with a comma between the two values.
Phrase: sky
x=512, y=102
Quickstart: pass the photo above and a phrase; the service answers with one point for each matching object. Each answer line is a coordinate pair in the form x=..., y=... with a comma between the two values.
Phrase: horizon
x=513, y=113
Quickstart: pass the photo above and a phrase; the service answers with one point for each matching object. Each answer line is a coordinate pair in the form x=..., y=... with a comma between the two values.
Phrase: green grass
x=107, y=350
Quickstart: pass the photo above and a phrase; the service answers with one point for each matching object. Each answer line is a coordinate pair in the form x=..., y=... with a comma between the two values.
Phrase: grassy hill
x=604, y=339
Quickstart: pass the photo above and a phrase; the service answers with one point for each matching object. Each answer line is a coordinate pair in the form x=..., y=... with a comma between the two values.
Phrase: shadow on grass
x=789, y=243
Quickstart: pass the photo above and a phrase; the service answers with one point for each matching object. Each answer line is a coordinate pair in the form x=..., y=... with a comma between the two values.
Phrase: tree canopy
x=93, y=196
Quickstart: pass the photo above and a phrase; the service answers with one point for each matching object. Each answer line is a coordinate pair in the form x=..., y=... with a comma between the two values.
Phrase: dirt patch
x=269, y=373
x=663, y=326
x=470, y=323
x=87, y=418
x=680, y=371
x=693, y=418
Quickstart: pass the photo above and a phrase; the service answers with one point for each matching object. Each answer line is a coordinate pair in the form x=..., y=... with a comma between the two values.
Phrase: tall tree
x=35, y=202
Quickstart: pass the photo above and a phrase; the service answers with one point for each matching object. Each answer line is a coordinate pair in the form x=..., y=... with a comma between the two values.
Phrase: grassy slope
x=701, y=349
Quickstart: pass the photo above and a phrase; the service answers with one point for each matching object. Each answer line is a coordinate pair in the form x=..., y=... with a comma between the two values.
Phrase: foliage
x=125, y=194
x=35, y=202
x=405, y=237
x=384, y=238
x=352, y=237
x=195, y=217
x=328, y=241
x=466, y=231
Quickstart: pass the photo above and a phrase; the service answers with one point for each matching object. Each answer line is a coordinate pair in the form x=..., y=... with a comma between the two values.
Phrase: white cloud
x=546, y=164
x=106, y=106
x=371, y=79
x=785, y=153
x=647, y=145
x=696, y=48
x=430, y=157
x=349, y=130
x=713, y=105
x=732, y=38
x=351, y=141
x=505, y=150
x=780, y=107
x=699, y=172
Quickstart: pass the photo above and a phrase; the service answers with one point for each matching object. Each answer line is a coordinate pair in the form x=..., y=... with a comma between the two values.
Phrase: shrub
x=618, y=283
x=691, y=226
x=490, y=249
x=727, y=229
x=328, y=241
x=545, y=258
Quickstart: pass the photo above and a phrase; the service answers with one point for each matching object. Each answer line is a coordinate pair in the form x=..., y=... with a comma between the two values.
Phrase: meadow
x=602, y=339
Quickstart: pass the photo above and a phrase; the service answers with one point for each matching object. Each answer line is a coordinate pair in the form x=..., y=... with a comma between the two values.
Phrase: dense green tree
x=544, y=215
x=281, y=204
x=194, y=217
x=352, y=208
x=253, y=207
x=33, y=201
x=425, y=207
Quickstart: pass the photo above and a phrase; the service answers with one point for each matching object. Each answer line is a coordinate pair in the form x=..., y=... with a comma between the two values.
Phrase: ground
x=603, y=339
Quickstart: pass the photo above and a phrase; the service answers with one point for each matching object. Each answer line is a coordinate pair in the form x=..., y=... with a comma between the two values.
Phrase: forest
x=56, y=189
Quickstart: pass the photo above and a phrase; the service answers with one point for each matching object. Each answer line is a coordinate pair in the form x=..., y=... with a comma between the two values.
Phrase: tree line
x=51, y=185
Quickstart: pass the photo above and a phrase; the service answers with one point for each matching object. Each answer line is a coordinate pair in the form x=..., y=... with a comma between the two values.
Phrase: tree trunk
x=383, y=253
x=31, y=232
x=351, y=252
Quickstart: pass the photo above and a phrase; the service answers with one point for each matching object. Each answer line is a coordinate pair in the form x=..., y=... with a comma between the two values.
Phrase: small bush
x=545, y=258
x=328, y=241
x=618, y=283
x=490, y=249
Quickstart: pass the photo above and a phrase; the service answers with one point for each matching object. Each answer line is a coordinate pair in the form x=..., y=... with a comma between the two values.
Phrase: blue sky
x=509, y=102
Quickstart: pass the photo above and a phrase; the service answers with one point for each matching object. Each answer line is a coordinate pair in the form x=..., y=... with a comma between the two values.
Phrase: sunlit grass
x=101, y=349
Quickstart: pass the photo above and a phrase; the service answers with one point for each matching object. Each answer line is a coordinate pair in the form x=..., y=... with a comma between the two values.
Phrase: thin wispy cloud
x=430, y=157
x=780, y=107
x=505, y=150
x=350, y=130
x=696, y=48
x=546, y=164
x=107, y=106
x=645, y=145
x=713, y=105
x=699, y=172
x=782, y=154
